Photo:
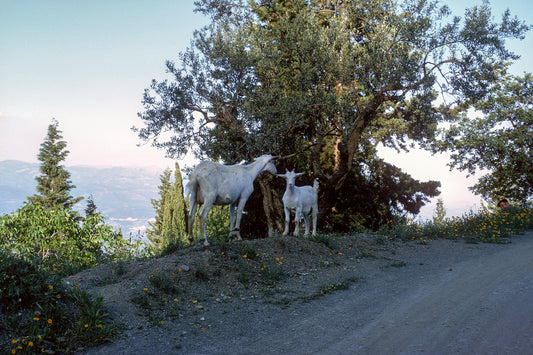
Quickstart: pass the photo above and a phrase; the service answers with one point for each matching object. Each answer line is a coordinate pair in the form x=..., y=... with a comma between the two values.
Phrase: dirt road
x=482, y=305
x=447, y=298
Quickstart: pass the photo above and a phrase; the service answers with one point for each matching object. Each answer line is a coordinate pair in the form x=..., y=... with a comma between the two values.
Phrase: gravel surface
x=359, y=295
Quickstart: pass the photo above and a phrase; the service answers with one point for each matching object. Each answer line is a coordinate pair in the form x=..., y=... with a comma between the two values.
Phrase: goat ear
x=299, y=174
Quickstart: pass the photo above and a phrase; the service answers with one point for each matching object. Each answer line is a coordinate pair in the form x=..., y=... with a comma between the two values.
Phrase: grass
x=324, y=239
x=325, y=289
x=397, y=264
x=273, y=273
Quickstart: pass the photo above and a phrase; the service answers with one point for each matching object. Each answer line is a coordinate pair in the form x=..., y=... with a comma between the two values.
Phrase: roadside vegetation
x=43, y=242
x=42, y=313
x=473, y=227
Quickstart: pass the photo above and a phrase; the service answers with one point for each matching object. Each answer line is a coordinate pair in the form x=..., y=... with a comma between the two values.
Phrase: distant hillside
x=121, y=194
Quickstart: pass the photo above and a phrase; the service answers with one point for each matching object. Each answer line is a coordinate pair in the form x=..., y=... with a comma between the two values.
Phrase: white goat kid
x=303, y=200
x=215, y=184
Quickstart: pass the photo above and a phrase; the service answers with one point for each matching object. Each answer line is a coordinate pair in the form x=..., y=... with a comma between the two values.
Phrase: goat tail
x=315, y=184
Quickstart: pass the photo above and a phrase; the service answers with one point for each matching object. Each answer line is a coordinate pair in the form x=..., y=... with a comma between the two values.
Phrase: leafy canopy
x=499, y=142
x=324, y=82
x=57, y=236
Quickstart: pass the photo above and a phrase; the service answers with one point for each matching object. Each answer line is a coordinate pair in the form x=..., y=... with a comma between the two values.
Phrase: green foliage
x=59, y=240
x=165, y=282
x=155, y=231
x=273, y=273
x=168, y=232
x=440, y=212
x=91, y=326
x=217, y=224
x=53, y=184
x=500, y=141
x=484, y=226
x=91, y=208
x=324, y=239
x=44, y=315
x=326, y=84
x=376, y=193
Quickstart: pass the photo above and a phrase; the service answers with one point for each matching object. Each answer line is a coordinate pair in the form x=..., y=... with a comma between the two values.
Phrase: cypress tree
x=154, y=232
x=174, y=226
x=169, y=226
x=54, y=185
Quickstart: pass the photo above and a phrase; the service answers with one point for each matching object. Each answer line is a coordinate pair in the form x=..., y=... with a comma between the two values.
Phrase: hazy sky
x=86, y=63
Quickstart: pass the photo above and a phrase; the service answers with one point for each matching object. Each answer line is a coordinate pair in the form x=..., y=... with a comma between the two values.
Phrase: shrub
x=60, y=239
x=484, y=226
x=44, y=315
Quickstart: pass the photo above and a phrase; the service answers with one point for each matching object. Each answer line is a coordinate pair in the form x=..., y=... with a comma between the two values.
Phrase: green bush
x=484, y=226
x=60, y=239
x=44, y=315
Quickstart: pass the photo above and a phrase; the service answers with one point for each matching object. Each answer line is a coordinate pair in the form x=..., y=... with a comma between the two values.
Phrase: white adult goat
x=211, y=184
x=303, y=200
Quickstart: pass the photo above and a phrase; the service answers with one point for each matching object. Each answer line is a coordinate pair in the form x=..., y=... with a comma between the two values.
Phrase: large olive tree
x=324, y=82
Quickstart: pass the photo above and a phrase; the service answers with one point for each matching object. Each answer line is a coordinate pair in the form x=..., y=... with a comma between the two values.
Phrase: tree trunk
x=272, y=205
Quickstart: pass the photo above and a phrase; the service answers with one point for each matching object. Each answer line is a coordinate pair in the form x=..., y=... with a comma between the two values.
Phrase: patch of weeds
x=165, y=282
x=284, y=301
x=120, y=268
x=107, y=279
x=143, y=300
x=90, y=320
x=380, y=239
x=273, y=273
x=268, y=292
x=397, y=264
x=174, y=245
x=329, y=288
x=340, y=285
x=156, y=306
x=112, y=276
x=471, y=239
x=365, y=254
x=201, y=274
x=323, y=239
x=244, y=276
x=249, y=252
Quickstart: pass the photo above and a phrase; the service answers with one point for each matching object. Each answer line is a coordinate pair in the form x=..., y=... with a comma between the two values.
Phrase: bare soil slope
x=353, y=294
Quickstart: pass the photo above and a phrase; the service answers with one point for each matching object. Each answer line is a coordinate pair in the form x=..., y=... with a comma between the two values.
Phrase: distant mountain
x=122, y=194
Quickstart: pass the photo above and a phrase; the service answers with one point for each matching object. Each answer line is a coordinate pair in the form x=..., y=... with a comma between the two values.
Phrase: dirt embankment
x=355, y=294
